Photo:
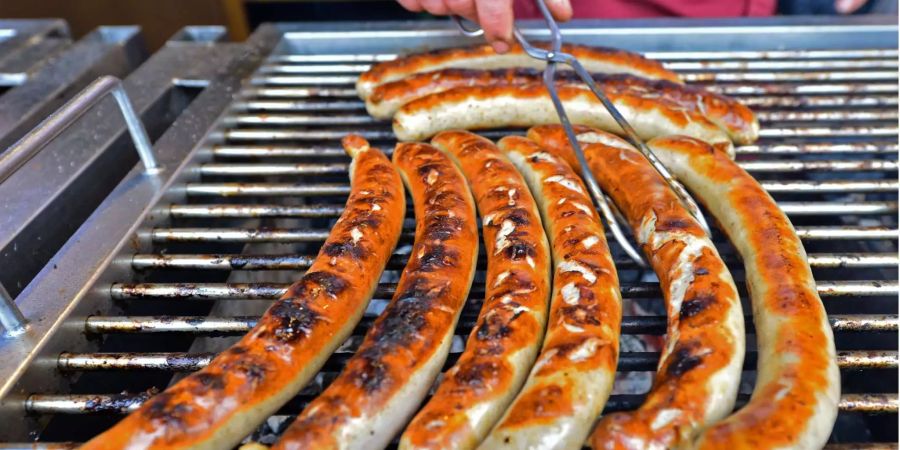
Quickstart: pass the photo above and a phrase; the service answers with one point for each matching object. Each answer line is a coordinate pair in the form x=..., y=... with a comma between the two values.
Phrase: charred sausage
x=403, y=352
x=794, y=404
x=508, y=332
x=594, y=59
x=219, y=405
x=727, y=113
x=699, y=369
x=574, y=374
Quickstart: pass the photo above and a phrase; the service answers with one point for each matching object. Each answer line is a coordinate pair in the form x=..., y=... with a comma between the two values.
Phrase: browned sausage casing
x=794, y=403
x=507, y=335
x=219, y=405
x=574, y=374
x=727, y=113
x=403, y=352
x=479, y=107
x=594, y=59
x=700, y=367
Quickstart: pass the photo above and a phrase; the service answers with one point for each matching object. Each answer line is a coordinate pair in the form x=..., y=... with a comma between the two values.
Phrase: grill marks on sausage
x=510, y=319
x=388, y=71
x=409, y=332
x=707, y=320
x=400, y=326
x=282, y=349
x=696, y=305
x=683, y=359
x=295, y=319
x=164, y=409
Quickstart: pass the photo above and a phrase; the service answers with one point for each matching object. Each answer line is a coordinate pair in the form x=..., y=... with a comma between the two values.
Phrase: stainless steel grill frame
x=180, y=262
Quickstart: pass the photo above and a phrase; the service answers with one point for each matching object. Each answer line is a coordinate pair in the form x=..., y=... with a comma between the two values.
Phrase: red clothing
x=621, y=9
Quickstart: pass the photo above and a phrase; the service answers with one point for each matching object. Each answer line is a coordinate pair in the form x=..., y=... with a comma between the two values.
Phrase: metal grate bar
x=706, y=77
x=288, y=105
x=143, y=261
x=830, y=115
x=764, y=77
x=258, y=169
x=291, y=169
x=243, y=324
x=842, y=131
x=628, y=361
x=299, y=190
x=758, y=103
x=301, y=120
x=270, y=151
x=763, y=102
x=766, y=90
x=794, y=149
x=247, y=211
x=261, y=134
x=290, y=151
x=309, y=235
x=808, y=166
x=801, y=89
x=271, y=291
x=364, y=119
x=195, y=211
x=664, y=56
x=681, y=66
x=262, y=92
x=126, y=403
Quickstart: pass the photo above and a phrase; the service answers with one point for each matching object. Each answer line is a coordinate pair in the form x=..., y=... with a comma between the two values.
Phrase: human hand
x=494, y=16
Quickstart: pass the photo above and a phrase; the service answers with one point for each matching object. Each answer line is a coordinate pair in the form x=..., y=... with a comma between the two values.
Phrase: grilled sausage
x=700, y=366
x=574, y=374
x=594, y=59
x=391, y=372
x=508, y=332
x=727, y=113
x=478, y=107
x=794, y=403
x=219, y=405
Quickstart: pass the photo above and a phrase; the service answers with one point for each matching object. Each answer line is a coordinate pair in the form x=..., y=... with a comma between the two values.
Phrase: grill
x=171, y=268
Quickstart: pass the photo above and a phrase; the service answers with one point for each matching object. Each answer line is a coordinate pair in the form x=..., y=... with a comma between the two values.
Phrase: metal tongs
x=553, y=56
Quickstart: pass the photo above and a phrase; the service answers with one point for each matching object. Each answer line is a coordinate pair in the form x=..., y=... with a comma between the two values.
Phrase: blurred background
x=160, y=19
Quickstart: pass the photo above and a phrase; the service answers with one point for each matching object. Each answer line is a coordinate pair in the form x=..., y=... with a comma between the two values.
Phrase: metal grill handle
x=23, y=150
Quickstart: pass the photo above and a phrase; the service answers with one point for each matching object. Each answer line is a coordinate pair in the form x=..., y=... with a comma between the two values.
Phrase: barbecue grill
x=171, y=266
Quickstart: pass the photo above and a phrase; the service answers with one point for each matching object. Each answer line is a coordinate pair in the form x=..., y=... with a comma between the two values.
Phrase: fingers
x=464, y=8
x=410, y=5
x=496, y=19
x=435, y=7
x=848, y=6
x=562, y=9
x=494, y=16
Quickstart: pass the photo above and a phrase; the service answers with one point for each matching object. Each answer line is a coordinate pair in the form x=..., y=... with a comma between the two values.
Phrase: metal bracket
x=11, y=319
x=23, y=150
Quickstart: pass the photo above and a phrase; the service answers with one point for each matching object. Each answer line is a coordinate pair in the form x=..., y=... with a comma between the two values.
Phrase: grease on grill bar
x=181, y=362
x=271, y=291
x=242, y=324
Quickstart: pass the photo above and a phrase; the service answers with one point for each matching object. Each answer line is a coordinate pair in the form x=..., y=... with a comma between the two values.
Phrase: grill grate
x=270, y=188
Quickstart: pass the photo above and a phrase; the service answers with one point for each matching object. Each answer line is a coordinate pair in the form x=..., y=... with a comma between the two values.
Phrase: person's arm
x=494, y=16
